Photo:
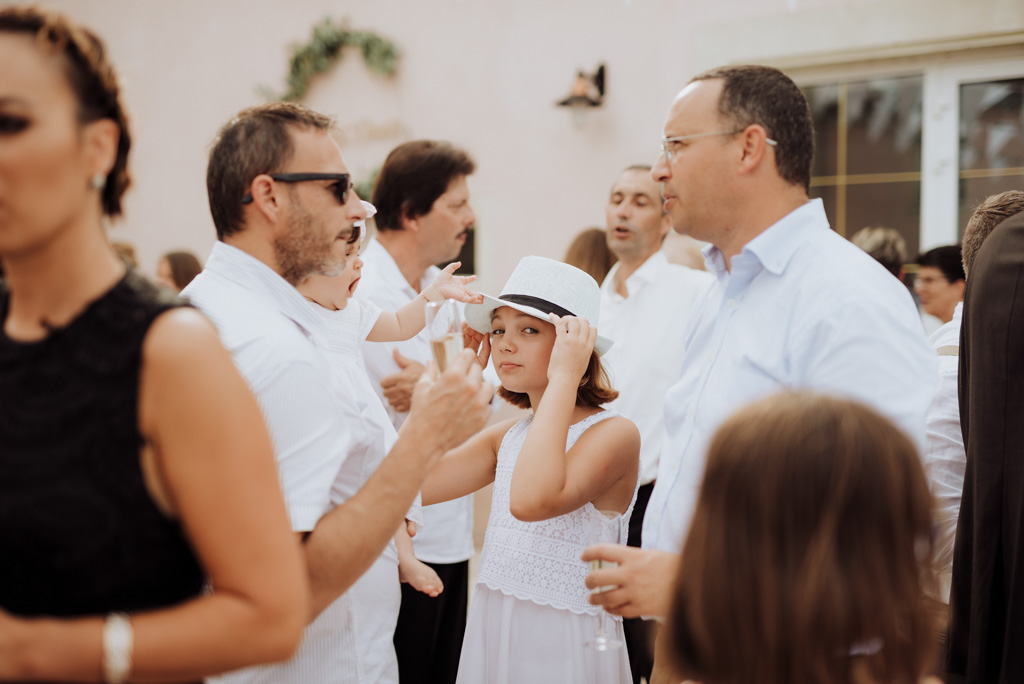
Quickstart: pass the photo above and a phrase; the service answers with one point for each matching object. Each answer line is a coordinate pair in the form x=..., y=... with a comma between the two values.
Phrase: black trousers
x=639, y=633
x=428, y=637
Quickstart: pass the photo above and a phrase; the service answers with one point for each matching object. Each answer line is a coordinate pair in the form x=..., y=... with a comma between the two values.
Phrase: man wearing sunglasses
x=794, y=305
x=281, y=199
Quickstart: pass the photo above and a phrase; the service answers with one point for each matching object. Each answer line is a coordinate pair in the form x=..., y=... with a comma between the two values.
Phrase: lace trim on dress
x=538, y=561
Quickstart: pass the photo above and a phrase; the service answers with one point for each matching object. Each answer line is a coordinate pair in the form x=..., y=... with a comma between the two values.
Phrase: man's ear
x=264, y=197
x=410, y=223
x=754, y=149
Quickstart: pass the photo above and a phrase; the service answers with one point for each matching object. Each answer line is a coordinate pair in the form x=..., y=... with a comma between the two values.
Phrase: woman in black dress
x=142, y=532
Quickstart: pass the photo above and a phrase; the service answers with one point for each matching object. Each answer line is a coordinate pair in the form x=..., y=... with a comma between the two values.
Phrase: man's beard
x=303, y=251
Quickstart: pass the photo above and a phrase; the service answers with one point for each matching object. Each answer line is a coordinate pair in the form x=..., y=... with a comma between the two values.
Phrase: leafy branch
x=325, y=48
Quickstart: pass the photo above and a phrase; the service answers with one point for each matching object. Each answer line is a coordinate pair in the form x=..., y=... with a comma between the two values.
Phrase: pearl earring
x=98, y=182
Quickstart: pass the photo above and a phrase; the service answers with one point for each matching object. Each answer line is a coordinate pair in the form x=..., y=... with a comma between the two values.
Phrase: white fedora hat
x=539, y=287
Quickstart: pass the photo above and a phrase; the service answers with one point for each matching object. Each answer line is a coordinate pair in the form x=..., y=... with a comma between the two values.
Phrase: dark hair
x=884, y=245
x=811, y=535
x=92, y=80
x=755, y=94
x=414, y=175
x=948, y=259
x=589, y=252
x=258, y=140
x=989, y=214
x=184, y=267
x=595, y=388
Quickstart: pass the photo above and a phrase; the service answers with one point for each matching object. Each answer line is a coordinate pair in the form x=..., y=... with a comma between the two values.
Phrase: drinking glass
x=444, y=327
x=603, y=527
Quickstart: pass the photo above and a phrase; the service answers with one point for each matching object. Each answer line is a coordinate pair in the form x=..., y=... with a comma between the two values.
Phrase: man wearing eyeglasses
x=794, y=305
x=282, y=200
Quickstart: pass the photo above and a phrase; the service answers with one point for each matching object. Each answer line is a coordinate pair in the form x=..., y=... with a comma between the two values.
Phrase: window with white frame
x=917, y=145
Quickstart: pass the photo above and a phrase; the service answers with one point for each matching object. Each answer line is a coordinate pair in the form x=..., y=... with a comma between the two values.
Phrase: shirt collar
x=390, y=272
x=647, y=273
x=774, y=248
x=248, y=271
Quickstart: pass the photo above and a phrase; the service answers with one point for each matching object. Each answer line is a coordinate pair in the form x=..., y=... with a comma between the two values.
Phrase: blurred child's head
x=809, y=548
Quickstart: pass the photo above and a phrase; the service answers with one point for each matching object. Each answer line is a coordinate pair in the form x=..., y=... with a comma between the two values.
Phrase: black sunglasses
x=340, y=189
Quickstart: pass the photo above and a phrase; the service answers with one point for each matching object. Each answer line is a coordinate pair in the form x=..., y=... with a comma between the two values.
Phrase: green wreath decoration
x=325, y=49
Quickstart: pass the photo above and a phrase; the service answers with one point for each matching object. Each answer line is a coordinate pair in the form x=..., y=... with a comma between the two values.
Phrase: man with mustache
x=423, y=218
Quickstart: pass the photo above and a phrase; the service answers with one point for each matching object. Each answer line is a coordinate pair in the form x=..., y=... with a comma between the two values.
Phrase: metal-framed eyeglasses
x=340, y=189
x=666, y=143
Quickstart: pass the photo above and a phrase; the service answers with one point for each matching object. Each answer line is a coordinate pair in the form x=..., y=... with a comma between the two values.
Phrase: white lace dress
x=529, y=615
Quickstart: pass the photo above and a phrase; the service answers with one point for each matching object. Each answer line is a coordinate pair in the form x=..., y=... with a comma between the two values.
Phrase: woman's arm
x=547, y=480
x=467, y=468
x=404, y=324
x=214, y=464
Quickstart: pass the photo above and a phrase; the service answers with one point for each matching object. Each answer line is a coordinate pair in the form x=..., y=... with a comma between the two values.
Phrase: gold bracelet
x=117, y=648
x=437, y=293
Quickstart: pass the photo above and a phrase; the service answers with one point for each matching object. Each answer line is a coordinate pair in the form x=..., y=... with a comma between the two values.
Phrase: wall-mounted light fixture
x=587, y=92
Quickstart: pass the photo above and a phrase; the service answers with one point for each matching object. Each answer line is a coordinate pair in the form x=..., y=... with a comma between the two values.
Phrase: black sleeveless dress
x=79, y=534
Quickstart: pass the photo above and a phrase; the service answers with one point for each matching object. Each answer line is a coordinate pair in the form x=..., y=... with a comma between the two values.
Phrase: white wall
x=482, y=73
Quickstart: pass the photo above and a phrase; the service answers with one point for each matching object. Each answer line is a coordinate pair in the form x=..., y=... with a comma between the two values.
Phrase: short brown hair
x=811, y=534
x=754, y=94
x=258, y=140
x=92, y=80
x=414, y=175
x=595, y=388
x=989, y=214
x=185, y=267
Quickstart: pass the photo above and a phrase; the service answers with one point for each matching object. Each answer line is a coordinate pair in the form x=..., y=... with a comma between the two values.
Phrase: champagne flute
x=603, y=527
x=444, y=328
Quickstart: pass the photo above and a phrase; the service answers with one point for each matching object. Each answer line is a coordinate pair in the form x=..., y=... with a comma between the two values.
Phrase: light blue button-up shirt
x=801, y=309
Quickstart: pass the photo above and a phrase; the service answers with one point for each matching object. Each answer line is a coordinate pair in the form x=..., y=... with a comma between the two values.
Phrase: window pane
x=884, y=125
x=824, y=103
x=991, y=125
x=991, y=142
x=893, y=205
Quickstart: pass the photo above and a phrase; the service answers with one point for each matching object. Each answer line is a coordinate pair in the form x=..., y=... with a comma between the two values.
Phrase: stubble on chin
x=303, y=251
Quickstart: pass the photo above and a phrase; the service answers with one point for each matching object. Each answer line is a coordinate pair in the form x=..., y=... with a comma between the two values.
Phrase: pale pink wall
x=482, y=73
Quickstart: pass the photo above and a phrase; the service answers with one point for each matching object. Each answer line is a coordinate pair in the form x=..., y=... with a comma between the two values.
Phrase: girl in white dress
x=529, y=615
x=374, y=600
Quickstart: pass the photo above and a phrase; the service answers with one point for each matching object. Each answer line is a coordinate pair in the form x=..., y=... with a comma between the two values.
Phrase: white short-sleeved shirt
x=801, y=309
x=374, y=436
x=649, y=329
x=945, y=459
x=267, y=326
x=447, y=535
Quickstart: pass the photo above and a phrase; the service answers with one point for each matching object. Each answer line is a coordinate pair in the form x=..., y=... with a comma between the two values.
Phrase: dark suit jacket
x=986, y=633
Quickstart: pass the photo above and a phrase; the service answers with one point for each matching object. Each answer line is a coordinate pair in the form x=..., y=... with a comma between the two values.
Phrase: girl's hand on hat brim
x=478, y=342
x=574, y=344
